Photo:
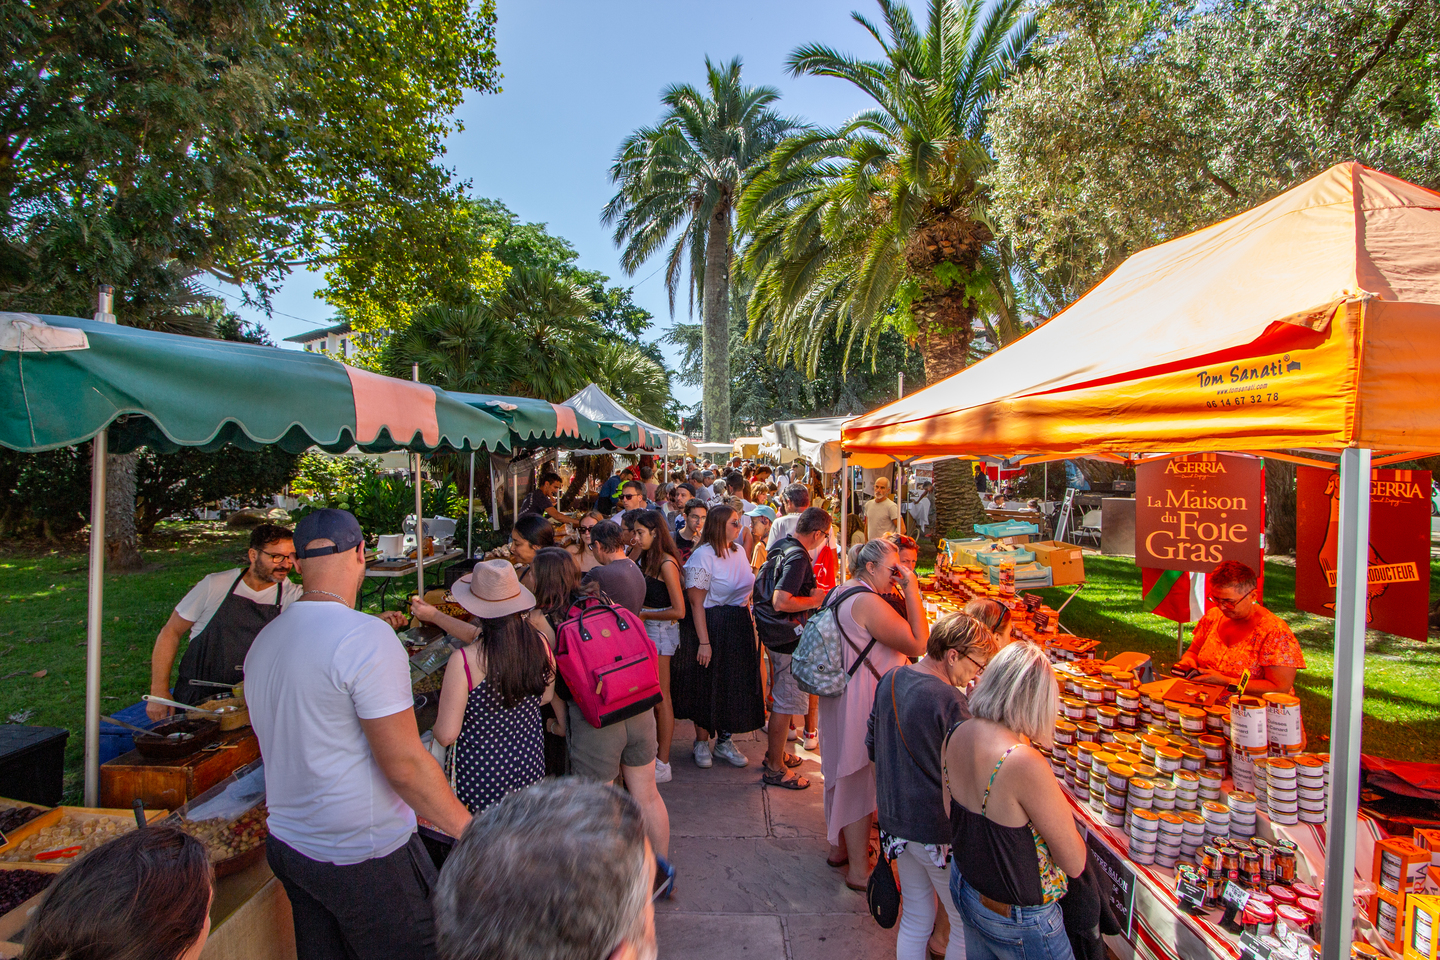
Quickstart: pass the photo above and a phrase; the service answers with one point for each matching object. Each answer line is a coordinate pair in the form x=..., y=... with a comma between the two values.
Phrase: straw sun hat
x=492, y=590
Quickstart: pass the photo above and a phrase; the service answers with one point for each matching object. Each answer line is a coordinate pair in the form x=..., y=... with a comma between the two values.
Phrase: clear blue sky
x=580, y=75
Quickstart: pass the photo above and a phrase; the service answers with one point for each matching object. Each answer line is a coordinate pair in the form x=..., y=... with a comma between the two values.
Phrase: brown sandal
x=779, y=778
x=792, y=761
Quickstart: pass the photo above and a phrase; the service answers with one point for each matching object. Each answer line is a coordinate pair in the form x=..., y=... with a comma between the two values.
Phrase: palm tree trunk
x=957, y=503
x=716, y=310
x=122, y=540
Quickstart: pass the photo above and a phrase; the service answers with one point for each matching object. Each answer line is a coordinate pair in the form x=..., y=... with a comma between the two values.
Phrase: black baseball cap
x=338, y=526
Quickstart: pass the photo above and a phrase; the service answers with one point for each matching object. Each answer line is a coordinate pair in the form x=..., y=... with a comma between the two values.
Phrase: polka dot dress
x=498, y=751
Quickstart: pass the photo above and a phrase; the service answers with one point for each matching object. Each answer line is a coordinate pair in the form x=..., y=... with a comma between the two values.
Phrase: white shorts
x=665, y=633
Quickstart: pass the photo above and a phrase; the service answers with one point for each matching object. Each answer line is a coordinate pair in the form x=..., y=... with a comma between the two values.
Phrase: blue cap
x=762, y=511
x=338, y=526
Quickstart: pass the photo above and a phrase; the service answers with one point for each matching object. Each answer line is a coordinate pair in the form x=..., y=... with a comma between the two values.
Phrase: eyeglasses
x=587, y=527
x=979, y=667
x=630, y=496
x=278, y=558
x=1225, y=603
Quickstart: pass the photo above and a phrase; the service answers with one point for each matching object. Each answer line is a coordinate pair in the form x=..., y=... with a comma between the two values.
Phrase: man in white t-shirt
x=882, y=515
x=797, y=499
x=329, y=695
x=223, y=613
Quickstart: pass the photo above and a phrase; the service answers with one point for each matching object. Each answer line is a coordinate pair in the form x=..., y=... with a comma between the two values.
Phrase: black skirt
x=726, y=694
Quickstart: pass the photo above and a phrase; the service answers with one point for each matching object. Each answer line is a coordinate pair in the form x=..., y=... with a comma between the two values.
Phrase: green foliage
x=677, y=185
x=323, y=478
x=381, y=503
x=1144, y=121
x=144, y=142
x=888, y=205
x=177, y=483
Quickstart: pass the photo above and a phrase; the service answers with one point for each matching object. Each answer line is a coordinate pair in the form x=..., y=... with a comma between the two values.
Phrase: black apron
x=218, y=653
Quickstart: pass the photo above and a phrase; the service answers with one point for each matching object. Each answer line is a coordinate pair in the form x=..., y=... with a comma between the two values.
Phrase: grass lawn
x=43, y=629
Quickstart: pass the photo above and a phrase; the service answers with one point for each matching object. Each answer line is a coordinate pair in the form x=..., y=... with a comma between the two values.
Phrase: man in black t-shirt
x=790, y=568
x=689, y=536
x=542, y=499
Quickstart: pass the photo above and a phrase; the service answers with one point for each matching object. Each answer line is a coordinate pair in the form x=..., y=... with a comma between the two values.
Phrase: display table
x=250, y=918
x=166, y=784
x=387, y=570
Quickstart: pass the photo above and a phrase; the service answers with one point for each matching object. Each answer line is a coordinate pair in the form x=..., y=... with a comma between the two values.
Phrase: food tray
x=234, y=720
x=1008, y=528
x=157, y=746
x=13, y=921
x=53, y=817
x=235, y=796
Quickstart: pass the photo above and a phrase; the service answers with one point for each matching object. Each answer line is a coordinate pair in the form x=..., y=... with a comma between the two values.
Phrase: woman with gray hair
x=1014, y=841
x=915, y=708
x=880, y=639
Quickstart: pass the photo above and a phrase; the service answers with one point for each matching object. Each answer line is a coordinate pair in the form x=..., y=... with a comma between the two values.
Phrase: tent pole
x=1347, y=701
x=494, y=503
x=470, y=521
x=844, y=517
x=94, y=619
x=419, y=511
x=95, y=587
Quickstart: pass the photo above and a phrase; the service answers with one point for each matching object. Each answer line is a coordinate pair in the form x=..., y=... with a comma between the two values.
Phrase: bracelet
x=704, y=643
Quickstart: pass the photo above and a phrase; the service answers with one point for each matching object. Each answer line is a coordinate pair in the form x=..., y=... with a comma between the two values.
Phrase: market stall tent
x=635, y=434
x=817, y=440
x=64, y=381
x=1311, y=321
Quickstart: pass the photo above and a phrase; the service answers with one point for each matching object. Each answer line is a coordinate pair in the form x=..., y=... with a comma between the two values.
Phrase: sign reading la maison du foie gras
x=1193, y=512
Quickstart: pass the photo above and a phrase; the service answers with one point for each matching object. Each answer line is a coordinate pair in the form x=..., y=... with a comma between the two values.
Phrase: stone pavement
x=751, y=875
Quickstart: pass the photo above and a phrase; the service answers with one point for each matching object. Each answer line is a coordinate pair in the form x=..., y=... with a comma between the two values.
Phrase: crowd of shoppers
x=938, y=739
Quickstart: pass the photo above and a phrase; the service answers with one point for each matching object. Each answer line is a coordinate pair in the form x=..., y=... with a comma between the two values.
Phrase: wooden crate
x=13, y=923
x=166, y=784
x=57, y=814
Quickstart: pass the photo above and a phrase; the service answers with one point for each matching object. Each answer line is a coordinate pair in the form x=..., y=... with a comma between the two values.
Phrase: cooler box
x=32, y=763
x=1065, y=560
x=1028, y=576
x=993, y=558
x=1010, y=528
x=117, y=740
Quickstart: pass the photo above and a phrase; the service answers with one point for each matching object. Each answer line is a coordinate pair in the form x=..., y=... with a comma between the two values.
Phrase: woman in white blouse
x=715, y=675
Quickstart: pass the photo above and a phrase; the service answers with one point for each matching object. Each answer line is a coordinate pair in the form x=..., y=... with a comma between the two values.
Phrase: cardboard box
x=1429, y=839
x=1399, y=866
x=1422, y=927
x=1065, y=560
x=1389, y=918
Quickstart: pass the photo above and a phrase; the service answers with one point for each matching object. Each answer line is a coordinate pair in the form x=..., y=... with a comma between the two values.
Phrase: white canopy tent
x=599, y=405
x=817, y=441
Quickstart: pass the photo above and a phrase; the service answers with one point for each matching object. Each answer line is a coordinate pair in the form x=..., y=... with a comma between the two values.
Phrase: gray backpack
x=818, y=664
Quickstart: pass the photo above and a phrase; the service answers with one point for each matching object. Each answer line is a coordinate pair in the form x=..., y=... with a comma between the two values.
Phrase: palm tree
x=882, y=220
x=678, y=183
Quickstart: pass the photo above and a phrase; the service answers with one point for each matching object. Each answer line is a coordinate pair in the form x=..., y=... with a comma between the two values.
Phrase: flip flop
x=860, y=887
x=837, y=864
x=778, y=778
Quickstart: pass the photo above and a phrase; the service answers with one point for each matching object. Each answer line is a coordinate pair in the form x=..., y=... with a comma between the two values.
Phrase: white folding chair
x=1089, y=526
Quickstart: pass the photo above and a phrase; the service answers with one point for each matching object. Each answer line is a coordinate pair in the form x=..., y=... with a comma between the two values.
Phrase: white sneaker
x=662, y=771
x=792, y=735
x=727, y=751
x=702, y=754
x=810, y=740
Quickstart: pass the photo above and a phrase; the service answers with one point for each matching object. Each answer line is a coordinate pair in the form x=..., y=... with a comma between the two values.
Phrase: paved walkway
x=751, y=875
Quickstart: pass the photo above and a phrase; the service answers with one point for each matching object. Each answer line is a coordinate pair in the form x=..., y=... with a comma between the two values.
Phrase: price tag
x=1253, y=947
x=1190, y=893
x=1242, y=683
x=1235, y=895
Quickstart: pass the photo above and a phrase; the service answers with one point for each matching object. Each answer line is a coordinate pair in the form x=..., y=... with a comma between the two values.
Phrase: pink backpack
x=608, y=661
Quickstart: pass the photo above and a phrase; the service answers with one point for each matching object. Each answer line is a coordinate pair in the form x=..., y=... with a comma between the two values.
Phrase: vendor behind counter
x=223, y=613
x=1238, y=634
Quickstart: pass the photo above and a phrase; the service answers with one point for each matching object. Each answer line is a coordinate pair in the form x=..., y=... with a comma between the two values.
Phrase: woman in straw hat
x=491, y=696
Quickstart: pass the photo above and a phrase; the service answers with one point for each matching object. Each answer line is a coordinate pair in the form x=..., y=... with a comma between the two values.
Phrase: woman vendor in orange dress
x=1238, y=634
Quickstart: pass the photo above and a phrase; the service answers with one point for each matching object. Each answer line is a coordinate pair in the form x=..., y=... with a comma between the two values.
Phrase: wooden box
x=166, y=784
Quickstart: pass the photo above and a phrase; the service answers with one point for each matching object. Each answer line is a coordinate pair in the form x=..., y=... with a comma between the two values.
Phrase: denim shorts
x=665, y=633
x=1029, y=933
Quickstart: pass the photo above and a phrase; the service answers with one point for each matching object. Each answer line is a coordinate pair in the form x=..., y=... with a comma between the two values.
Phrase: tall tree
x=882, y=221
x=678, y=184
x=1146, y=120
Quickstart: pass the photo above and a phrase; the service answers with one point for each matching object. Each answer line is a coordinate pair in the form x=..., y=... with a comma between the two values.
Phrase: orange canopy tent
x=1311, y=321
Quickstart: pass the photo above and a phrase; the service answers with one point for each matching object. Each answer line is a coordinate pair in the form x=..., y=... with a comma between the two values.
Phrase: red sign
x=1197, y=511
x=1398, y=595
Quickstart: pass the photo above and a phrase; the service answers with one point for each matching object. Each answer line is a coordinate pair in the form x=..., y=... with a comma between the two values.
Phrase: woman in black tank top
x=1007, y=877
x=654, y=552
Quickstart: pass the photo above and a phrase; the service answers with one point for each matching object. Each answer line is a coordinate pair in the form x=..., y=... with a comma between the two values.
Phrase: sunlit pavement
x=752, y=879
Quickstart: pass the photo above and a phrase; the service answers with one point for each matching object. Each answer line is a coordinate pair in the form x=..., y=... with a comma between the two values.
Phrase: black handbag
x=882, y=895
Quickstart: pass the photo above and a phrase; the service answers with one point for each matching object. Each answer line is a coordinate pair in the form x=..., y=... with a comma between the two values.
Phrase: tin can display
x=1285, y=731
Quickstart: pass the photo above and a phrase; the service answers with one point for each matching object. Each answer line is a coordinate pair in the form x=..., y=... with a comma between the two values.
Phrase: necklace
x=328, y=594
